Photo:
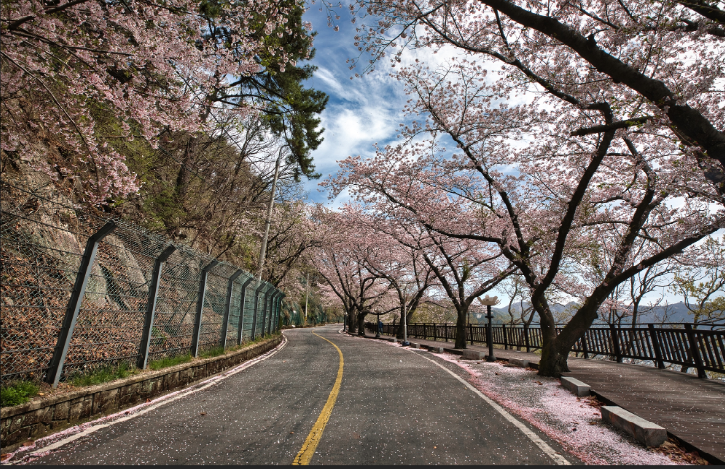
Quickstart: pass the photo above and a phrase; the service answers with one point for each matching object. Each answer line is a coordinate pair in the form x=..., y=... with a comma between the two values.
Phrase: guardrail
x=681, y=344
x=80, y=290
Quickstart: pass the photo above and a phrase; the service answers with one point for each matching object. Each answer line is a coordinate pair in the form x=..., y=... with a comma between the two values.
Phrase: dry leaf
x=539, y=383
x=203, y=413
x=28, y=443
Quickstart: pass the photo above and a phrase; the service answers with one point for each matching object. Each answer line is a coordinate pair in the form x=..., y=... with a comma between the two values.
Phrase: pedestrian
x=380, y=326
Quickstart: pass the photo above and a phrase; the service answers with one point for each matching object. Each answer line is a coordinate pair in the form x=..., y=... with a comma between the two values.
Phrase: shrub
x=17, y=393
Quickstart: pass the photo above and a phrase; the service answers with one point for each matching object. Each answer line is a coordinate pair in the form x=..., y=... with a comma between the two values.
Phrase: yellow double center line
x=313, y=439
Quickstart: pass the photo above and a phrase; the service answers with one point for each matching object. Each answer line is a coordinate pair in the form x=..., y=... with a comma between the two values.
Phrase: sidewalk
x=691, y=409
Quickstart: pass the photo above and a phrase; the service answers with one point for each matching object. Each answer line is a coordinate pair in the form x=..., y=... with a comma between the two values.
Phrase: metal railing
x=680, y=344
x=80, y=290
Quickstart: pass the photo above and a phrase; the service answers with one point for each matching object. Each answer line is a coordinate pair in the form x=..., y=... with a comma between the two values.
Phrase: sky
x=362, y=111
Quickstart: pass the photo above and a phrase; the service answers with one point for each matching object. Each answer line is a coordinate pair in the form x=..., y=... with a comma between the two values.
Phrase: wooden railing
x=680, y=344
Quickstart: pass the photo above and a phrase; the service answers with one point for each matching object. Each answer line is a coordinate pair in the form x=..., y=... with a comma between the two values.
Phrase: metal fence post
x=271, y=310
x=279, y=305
x=526, y=338
x=148, y=324
x=74, y=304
x=227, y=307
x=656, y=346
x=279, y=309
x=505, y=339
x=256, y=304
x=615, y=343
x=196, y=338
x=274, y=315
x=240, y=326
x=695, y=351
x=265, y=304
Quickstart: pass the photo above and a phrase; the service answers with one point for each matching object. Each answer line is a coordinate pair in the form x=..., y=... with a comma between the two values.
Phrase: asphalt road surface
x=394, y=406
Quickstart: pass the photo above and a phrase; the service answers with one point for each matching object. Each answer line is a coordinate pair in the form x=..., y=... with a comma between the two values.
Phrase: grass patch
x=212, y=352
x=262, y=338
x=102, y=375
x=17, y=393
x=169, y=361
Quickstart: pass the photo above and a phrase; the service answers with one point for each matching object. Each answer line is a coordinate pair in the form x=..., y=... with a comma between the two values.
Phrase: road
x=394, y=406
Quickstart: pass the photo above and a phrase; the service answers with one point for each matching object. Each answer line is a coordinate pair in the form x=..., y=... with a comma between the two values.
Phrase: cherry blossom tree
x=402, y=264
x=465, y=268
x=654, y=66
x=341, y=260
x=545, y=198
x=153, y=65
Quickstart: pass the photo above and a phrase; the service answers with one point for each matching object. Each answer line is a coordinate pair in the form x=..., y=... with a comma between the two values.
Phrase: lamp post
x=488, y=302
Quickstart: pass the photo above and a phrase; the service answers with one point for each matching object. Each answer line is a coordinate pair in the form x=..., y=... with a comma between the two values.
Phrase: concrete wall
x=43, y=415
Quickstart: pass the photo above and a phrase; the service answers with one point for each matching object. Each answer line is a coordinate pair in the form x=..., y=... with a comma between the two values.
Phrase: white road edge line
x=548, y=450
x=163, y=400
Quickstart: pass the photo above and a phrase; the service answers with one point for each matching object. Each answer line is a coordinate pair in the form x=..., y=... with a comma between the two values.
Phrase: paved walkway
x=691, y=409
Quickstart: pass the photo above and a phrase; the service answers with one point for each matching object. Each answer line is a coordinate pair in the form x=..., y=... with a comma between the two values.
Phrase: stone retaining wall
x=43, y=415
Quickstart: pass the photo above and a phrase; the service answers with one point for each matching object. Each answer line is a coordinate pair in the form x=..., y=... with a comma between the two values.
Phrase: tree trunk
x=361, y=324
x=351, y=323
x=461, y=332
x=553, y=363
x=555, y=350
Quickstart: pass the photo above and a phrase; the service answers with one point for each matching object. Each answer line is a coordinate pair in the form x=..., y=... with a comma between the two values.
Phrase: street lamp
x=488, y=302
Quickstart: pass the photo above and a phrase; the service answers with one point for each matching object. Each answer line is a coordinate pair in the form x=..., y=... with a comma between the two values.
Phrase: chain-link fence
x=80, y=290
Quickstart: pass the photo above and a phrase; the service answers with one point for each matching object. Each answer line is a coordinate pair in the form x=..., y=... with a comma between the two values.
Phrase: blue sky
x=361, y=111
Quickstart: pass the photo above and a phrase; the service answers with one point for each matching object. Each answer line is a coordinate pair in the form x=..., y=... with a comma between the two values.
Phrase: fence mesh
x=43, y=239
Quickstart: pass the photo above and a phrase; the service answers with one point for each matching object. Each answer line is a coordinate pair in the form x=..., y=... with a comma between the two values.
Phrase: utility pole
x=263, y=250
x=405, y=322
x=307, y=293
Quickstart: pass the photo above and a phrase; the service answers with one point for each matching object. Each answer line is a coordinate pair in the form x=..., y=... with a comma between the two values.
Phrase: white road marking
x=548, y=450
x=156, y=403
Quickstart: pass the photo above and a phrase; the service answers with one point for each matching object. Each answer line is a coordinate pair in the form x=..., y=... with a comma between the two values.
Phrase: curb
x=45, y=415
